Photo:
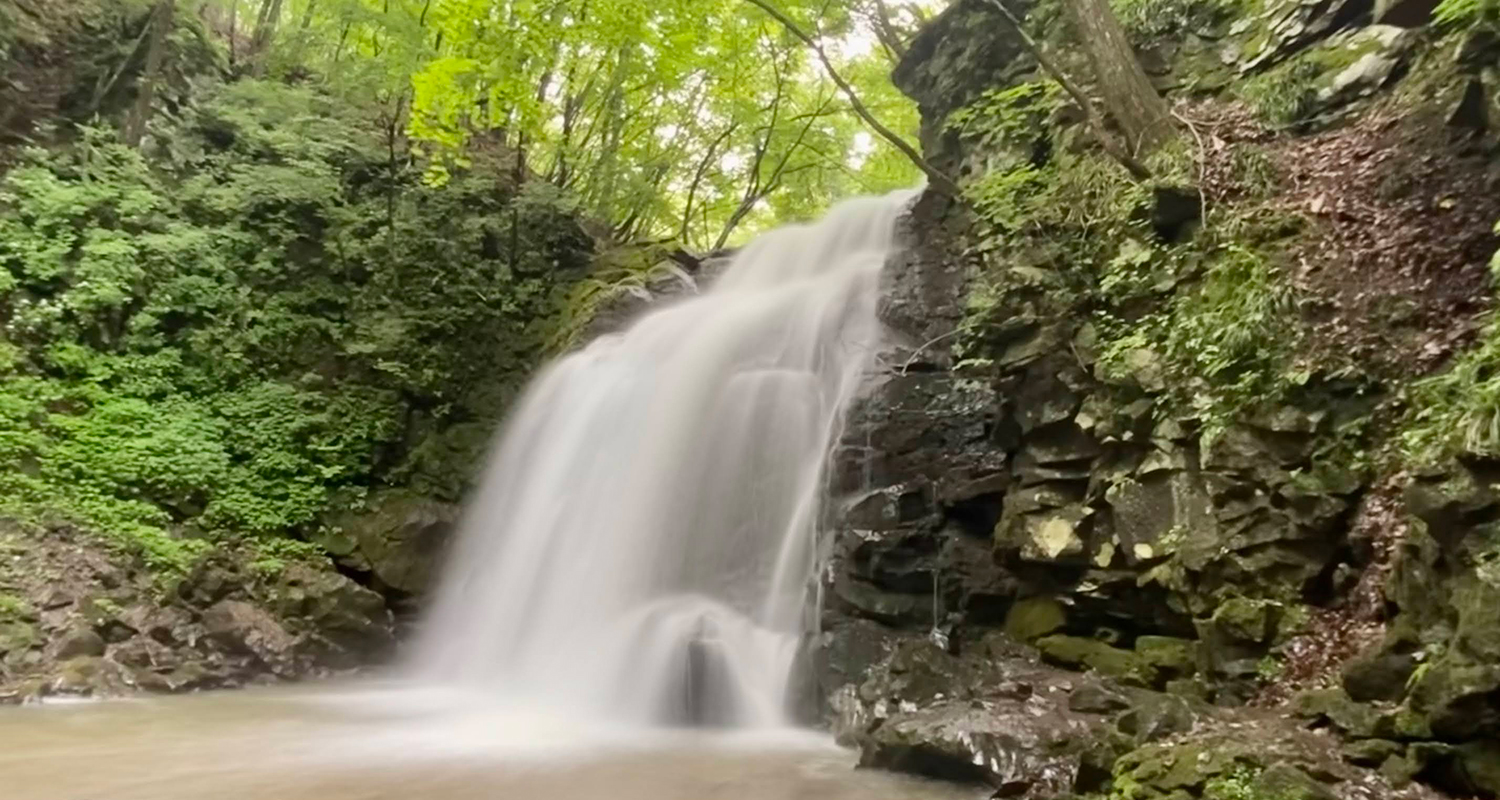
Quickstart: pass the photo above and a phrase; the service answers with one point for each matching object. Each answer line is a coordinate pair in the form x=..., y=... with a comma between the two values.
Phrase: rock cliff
x=1151, y=495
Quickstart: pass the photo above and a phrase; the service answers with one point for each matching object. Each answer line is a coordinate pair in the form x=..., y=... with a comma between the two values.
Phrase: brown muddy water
x=373, y=742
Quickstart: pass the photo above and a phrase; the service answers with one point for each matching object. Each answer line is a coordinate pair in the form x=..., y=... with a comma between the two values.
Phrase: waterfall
x=642, y=542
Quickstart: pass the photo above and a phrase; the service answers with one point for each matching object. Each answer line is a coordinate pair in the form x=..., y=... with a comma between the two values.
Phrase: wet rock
x=992, y=718
x=869, y=601
x=888, y=508
x=1000, y=746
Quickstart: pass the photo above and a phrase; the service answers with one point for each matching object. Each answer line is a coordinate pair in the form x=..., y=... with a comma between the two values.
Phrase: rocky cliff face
x=1086, y=545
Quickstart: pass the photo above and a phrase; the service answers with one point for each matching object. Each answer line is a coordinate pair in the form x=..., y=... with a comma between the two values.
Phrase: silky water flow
x=642, y=542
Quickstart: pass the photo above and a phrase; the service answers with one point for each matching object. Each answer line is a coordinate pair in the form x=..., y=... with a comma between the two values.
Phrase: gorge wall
x=1164, y=489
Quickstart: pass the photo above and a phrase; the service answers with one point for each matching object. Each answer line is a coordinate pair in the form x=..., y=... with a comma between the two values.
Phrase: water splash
x=643, y=539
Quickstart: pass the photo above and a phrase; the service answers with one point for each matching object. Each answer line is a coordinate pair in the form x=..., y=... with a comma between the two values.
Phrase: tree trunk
x=1120, y=151
x=145, y=95
x=1139, y=110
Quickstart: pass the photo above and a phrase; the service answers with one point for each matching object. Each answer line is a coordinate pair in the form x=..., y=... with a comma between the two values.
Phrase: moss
x=1078, y=652
x=1033, y=618
x=14, y=607
x=1290, y=92
x=1169, y=656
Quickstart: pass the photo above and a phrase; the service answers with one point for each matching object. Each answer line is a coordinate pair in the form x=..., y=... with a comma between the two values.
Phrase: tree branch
x=935, y=176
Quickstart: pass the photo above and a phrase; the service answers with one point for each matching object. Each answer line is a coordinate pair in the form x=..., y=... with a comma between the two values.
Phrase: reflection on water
x=391, y=743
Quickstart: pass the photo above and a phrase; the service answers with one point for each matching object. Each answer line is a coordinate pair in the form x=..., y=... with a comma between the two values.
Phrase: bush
x=265, y=313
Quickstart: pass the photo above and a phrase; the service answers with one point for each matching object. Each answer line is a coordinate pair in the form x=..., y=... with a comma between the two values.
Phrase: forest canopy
x=699, y=120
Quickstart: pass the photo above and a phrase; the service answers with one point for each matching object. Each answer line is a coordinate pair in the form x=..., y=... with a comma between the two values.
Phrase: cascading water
x=643, y=540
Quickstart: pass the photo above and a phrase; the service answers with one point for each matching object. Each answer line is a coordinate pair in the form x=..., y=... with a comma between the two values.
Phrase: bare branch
x=935, y=176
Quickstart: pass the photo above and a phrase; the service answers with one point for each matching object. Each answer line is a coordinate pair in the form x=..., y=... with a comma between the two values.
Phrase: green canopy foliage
x=694, y=119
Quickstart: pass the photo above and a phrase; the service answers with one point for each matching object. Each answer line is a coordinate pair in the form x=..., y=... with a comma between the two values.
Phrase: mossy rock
x=1481, y=765
x=1034, y=617
x=1169, y=656
x=400, y=538
x=1080, y=653
x=1286, y=782
x=1455, y=698
x=1337, y=709
x=1378, y=676
x=1242, y=619
x=1372, y=752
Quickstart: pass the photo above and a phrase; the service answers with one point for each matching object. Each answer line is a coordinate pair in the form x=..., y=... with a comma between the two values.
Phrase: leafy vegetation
x=264, y=315
x=1467, y=13
x=1205, y=321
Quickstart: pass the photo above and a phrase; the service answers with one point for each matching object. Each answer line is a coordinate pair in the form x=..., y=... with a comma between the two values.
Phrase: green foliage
x=697, y=119
x=267, y=312
x=1010, y=117
x=1467, y=13
x=12, y=607
x=1286, y=94
x=271, y=556
x=1224, y=342
x=1237, y=784
x=1289, y=93
x=1458, y=410
x=1152, y=20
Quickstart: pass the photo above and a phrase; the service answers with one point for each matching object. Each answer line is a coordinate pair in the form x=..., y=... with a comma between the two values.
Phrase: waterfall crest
x=643, y=538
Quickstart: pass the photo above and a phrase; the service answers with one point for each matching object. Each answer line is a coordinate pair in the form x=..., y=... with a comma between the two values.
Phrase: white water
x=643, y=540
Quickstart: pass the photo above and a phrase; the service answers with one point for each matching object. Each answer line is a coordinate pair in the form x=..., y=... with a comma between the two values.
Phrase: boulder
x=1002, y=745
x=349, y=625
x=82, y=642
x=1378, y=676
x=400, y=537
x=240, y=628
x=1034, y=617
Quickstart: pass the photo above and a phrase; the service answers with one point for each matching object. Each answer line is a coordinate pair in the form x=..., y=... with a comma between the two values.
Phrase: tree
x=939, y=180
x=1134, y=103
x=140, y=113
x=1128, y=152
x=656, y=116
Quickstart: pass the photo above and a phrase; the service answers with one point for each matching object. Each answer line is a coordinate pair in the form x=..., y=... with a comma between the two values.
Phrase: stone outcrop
x=77, y=619
x=1046, y=577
